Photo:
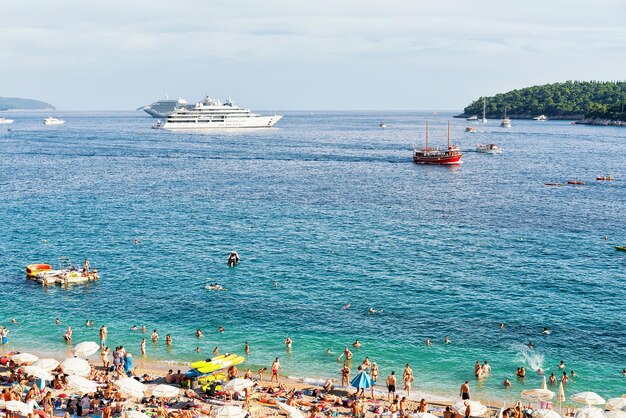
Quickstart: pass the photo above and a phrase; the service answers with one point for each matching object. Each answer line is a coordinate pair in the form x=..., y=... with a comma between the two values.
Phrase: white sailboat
x=484, y=119
x=505, y=122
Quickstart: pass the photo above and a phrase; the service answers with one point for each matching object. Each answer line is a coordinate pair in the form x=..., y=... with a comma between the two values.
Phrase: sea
x=330, y=217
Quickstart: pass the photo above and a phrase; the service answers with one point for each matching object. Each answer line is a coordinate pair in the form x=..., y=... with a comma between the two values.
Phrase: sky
x=301, y=54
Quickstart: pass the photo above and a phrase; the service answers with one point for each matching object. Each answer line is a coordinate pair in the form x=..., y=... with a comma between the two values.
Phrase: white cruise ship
x=211, y=113
x=162, y=108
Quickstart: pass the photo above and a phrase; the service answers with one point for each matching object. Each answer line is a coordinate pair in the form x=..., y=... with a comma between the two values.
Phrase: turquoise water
x=332, y=208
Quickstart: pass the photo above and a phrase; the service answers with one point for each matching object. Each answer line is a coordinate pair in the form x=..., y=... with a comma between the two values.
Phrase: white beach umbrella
x=616, y=404
x=237, y=384
x=590, y=412
x=422, y=415
x=560, y=396
x=38, y=372
x=20, y=407
x=76, y=366
x=86, y=348
x=82, y=384
x=589, y=398
x=22, y=358
x=537, y=394
x=135, y=414
x=229, y=411
x=476, y=408
x=130, y=386
x=47, y=364
x=616, y=414
x=546, y=413
x=291, y=411
x=165, y=391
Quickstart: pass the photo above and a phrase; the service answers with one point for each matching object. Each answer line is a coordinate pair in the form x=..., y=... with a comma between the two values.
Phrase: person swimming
x=530, y=344
x=446, y=340
x=346, y=306
x=546, y=331
x=502, y=326
x=356, y=344
x=427, y=342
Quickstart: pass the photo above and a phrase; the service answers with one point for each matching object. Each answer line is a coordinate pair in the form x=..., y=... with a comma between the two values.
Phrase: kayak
x=221, y=377
x=221, y=364
x=203, y=363
x=620, y=248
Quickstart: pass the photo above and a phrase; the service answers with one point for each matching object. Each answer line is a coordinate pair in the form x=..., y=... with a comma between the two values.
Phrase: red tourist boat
x=428, y=155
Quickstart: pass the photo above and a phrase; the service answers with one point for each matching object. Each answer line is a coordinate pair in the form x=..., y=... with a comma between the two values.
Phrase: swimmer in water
x=288, y=343
x=546, y=331
x=216, y=350
x=197, y=349
x=136, y=241
x=328, y=352
x=346, y=306
x=134, y=328
x=356, y=344
x=246, y=348
x=13, y=320
x=220, y=329
x=428, y=343
x=57, y=321
x=275, y=284
x=446, y=340
x=562, y=365
x=624, y=372
x=507, y=383
x=502, y=326
x=530, y=344
x=199, y=333
x=540, y=371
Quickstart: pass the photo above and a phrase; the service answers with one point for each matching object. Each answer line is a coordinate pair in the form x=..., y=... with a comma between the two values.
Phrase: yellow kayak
x=33, y=270
x=221, y=364
x=204, y=380
x=204, y=363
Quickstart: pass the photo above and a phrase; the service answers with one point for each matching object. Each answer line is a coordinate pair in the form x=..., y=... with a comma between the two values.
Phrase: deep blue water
x=332, y=208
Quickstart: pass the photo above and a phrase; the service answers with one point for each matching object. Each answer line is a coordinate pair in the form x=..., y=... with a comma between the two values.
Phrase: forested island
x=16, y=103
x=593, y=102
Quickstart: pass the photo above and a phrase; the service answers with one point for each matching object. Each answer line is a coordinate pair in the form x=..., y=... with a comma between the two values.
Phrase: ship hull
x=228, y=123
x=440, y=160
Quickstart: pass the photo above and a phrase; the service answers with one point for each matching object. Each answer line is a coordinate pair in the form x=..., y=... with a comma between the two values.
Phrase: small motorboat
x=32, y=270
x=53, y=121
x=472, y=118
x=605, y=178
x=577, y=182
x=620, y=247
x=555, y=184
x=382, y=125
x=541, y=118
x=215, y=286
x=488, y=148
x=471, y=129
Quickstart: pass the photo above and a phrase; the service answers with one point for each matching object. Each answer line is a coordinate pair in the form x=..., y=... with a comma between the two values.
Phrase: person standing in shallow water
x=464, y=392
x=143, y=346
x=345, y=375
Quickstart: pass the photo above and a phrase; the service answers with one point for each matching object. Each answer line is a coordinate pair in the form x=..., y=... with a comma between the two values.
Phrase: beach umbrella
x=86, y=348
x=537, y=394
x=589, y=398
x=423, y=415
x=546, y=413
x=560, y=396
x=165, y=391
x=615, y=414
x=20, y=407
x=237, y=384
x=291, y=411
x=47, y=364
x=590, y=412
x=82, y=384
x=38, y=372
x=136, y=414
x=544, y=384
x=130, y=386
x=76, y=366
x=362, y=381
x=229, y=411
x=476, y=408
x=22, y=358
x=616, y=404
